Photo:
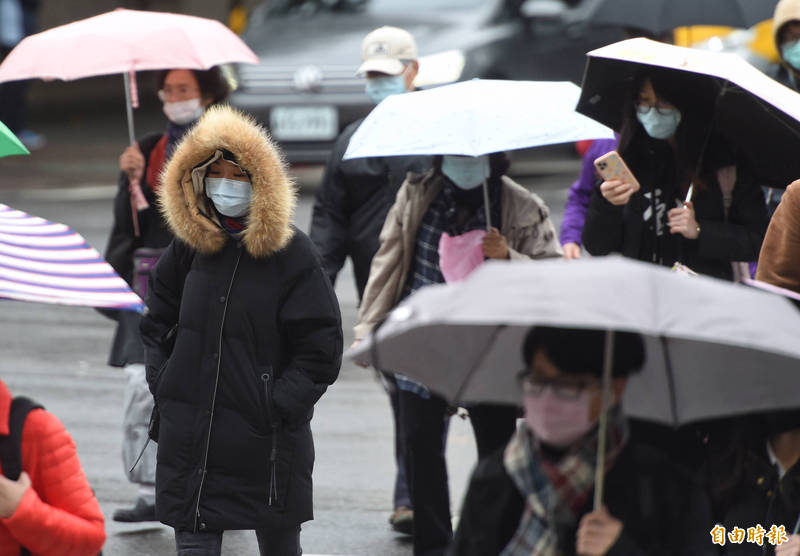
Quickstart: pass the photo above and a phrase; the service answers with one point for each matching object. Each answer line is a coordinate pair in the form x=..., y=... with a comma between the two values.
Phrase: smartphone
x=611, y=167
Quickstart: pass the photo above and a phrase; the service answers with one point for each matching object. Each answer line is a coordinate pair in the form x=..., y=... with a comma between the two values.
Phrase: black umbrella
x=661, y=16
x=757, y=116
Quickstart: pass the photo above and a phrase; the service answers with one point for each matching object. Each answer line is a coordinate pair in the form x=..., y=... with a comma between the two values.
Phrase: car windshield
x=280, y=7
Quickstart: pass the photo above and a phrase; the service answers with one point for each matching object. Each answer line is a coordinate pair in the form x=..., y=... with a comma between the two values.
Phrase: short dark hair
x=212, y=83
x=580, y=351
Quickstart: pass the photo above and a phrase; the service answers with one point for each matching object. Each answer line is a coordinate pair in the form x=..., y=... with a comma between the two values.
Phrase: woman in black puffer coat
x=243, y=336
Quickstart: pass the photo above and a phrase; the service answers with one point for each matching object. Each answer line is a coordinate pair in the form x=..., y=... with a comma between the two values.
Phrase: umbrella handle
x=486, y=206
x=602, y=427
x=131, y=102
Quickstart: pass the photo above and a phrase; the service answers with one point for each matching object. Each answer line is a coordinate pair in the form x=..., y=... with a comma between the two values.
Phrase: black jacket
x=760, y=498
x=609, y=228
x=127, y=345
x=351, y=205
x=242, y=338
x=663, y=508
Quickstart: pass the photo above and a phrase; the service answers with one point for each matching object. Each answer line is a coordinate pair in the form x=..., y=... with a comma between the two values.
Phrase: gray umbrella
x=713, y=348
x=660, y=16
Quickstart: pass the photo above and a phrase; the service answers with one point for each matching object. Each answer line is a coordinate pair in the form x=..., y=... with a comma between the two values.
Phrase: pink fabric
x=122, y=41
x=460, y=255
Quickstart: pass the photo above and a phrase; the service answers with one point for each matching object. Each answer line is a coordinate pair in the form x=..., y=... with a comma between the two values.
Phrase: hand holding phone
x=611, y=167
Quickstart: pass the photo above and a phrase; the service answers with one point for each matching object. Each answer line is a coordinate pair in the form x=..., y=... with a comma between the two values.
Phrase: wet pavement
x=57, y=355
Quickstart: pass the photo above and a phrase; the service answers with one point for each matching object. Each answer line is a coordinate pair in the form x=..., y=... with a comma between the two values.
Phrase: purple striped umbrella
x=49, y=262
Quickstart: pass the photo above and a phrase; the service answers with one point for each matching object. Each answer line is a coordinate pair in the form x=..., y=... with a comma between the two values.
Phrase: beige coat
x=525, y=224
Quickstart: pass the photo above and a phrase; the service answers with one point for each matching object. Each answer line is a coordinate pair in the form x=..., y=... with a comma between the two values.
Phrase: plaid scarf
x=555, y=492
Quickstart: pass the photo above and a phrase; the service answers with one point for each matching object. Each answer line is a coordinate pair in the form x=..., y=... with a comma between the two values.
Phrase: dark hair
x=212, y=83
x=580, y=351
x=698, y=151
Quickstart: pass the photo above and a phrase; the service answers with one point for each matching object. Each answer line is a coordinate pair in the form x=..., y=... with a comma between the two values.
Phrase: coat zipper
x=272, y=495
x=214, y=395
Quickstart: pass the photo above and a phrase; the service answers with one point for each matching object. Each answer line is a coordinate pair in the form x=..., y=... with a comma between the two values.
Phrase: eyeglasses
x=177, y=92
x=567, y=390
x=663, y=109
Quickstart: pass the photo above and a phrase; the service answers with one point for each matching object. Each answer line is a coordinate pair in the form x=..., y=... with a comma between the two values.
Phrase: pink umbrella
x=125, y=41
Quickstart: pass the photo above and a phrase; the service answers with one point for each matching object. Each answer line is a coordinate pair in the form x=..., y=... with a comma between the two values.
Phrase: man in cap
x=355, y=196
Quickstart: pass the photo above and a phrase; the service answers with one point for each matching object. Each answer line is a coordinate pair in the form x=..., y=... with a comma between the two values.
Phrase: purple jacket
x=580, y=192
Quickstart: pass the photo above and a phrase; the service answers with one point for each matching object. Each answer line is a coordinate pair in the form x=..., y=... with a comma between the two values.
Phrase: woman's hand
x=131, y=161
x=494, y=245
x=363, y=364
x=11, y=493
x=571, y=251
x=617, y=192
x=789, y=548
x=682, y=221
x=597, y=533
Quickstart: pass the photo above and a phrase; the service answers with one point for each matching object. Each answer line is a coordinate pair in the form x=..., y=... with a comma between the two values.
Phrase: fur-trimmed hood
x=186, y=209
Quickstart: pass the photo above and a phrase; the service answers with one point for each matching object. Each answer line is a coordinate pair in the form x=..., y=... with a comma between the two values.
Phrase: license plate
x=304, y=123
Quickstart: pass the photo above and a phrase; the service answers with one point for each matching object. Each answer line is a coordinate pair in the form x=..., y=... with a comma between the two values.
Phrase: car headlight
x=440, y=68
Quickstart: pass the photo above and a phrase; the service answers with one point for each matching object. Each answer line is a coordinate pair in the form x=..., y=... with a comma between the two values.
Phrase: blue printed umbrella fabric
x=48, y=262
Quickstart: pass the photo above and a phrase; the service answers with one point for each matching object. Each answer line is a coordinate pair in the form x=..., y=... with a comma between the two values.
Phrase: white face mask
x=183, y=112
x=231, y=197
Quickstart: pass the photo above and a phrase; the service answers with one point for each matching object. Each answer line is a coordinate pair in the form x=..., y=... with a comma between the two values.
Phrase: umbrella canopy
x=122, y=41
x=756, y=115
x=660, y=16
x=9, y=143
x=713, y=348
x=474, y=118
x=48, y=262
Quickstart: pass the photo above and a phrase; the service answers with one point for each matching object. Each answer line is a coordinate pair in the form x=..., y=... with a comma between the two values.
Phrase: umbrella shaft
x=602, y=427
x=486, y=206
x=129, y=108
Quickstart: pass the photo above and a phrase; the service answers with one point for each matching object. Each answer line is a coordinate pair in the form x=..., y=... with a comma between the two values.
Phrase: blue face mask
x=658, y=125
x=791, y=53
x=378, y=88
x=231, y=197
x=466, y=172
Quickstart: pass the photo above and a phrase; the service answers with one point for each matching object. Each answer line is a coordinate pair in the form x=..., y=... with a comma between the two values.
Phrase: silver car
x=305, y=88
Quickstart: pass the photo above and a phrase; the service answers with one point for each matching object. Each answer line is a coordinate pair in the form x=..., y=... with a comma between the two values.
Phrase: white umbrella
x=474, y=118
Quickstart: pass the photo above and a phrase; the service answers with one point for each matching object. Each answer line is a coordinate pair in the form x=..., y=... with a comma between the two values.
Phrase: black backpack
x=11, y=445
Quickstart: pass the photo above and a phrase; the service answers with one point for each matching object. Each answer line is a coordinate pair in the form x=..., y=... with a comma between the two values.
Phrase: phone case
x=611, y=167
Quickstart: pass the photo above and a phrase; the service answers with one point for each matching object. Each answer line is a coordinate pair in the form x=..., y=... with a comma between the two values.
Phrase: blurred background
x=305, y=89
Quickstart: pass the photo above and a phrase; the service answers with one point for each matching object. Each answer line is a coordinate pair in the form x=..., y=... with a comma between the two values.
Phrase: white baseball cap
x=387, y=50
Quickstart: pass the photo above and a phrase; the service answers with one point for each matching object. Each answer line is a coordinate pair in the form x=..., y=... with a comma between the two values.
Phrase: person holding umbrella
x=355, y=195
x=242, y=337
x=534, y=495
x=697, y=204
x=132, y=249
x=432, y=210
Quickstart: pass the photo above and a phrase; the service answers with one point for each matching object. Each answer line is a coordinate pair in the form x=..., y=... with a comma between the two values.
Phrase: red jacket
x=59, y=515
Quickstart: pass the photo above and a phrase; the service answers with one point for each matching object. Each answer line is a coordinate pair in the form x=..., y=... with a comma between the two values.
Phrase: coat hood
x=188, y=211
x=785, y=11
